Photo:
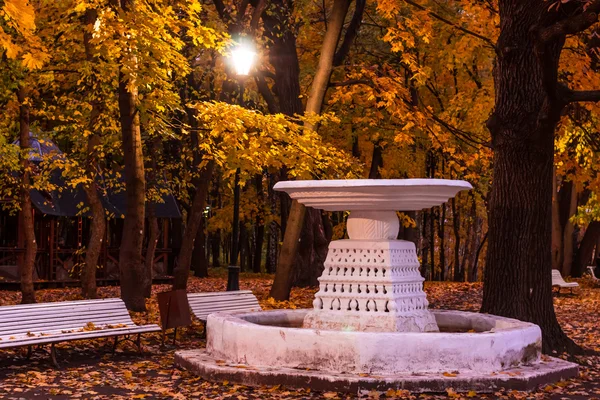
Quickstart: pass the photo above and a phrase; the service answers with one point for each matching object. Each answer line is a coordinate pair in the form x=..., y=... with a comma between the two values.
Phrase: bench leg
x=53, y=355
x=29, y=351
x=174, y=336
x=138, y=342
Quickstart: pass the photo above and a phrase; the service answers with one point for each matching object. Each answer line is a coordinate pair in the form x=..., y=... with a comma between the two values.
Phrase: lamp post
x=242, y=58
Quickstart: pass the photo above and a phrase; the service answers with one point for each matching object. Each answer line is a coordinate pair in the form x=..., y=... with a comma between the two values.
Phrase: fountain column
x=371, y=281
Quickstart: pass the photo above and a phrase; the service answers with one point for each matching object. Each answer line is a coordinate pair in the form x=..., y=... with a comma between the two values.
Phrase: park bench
x=203, y=304
x=557, y=280
x=29, y=325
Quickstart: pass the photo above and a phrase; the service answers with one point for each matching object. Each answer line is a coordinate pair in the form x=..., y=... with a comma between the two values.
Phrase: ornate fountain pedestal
x=370, y=328
x=371, y=282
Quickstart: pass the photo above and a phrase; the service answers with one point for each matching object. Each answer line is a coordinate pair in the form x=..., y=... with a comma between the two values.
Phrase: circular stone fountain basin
x=468, y=342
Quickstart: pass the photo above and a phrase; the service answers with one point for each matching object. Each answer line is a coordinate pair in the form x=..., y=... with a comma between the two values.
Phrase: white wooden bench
x=557, y=280
x=591, y=269
x=28, y=325
x=203, y=304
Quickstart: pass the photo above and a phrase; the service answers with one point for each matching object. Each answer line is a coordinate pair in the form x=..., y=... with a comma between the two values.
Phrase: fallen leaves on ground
x=90, y=370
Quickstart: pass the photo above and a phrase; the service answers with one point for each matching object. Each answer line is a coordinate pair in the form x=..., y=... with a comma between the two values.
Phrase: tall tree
x=131, y=267
x=285, y=269
x=529, y=103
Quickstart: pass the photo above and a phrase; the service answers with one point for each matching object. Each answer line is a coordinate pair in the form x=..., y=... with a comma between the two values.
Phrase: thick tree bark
x=27, y=232
x=182, y=270
x=130, y=254
x=517, y=282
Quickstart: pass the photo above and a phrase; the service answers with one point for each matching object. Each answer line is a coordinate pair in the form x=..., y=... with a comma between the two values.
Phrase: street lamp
x=242, y=59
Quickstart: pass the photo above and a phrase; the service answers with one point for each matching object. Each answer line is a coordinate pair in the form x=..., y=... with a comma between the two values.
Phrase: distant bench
x=557, y=280
x=27, y=325
x=203, y=304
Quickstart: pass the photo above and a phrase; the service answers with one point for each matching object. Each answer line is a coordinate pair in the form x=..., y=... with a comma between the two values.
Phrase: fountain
x=370, y=327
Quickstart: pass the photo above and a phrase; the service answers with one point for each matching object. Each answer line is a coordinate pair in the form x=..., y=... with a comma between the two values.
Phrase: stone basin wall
x=274, y=339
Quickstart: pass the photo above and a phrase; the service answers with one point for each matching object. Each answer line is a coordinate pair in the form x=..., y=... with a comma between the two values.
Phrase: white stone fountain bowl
x=373, y=194
x=272, y=339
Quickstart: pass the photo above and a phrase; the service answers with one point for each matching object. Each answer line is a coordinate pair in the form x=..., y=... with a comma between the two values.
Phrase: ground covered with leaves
x=89, y=370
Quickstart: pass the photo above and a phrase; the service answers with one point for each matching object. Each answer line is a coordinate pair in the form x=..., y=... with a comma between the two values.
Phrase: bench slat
x=29, y=341
x=61, y=326
x=218, y=294
x=72, y=315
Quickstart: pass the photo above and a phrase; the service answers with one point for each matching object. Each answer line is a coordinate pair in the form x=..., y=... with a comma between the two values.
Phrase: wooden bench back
x=62, y=316
x=203, y=304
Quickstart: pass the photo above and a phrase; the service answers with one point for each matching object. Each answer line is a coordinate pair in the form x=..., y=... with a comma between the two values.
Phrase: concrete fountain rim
x=240, y=368
x=239, y=318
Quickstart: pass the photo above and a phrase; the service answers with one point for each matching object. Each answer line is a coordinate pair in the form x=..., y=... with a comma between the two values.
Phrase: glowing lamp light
x=242, y=57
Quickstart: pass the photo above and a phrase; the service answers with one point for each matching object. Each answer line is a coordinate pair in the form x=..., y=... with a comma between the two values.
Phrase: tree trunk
x=199, y=257
x=426, y=271
x=153, y=234
x=569, y=229
x=130, y=254
x=94, y=247
x=98, y=219
x=584, y=254
x=442, y=236
x=259, y=226
x=459, y=275
x=313, y=105
x=132, y=271
x=282, y=284
x=517, y=282
x=182, y=270
x=215, y=245
x=474, y=270
x=312, y=252
x=376, y=162
x=26, y=213
x=557, y=227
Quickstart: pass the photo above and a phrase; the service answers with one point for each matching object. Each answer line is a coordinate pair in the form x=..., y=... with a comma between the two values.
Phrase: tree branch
x=351, y=83
x=351, y=33
x=448, y=22
x=267, y=94
x=573, y=24
x=572, y=96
